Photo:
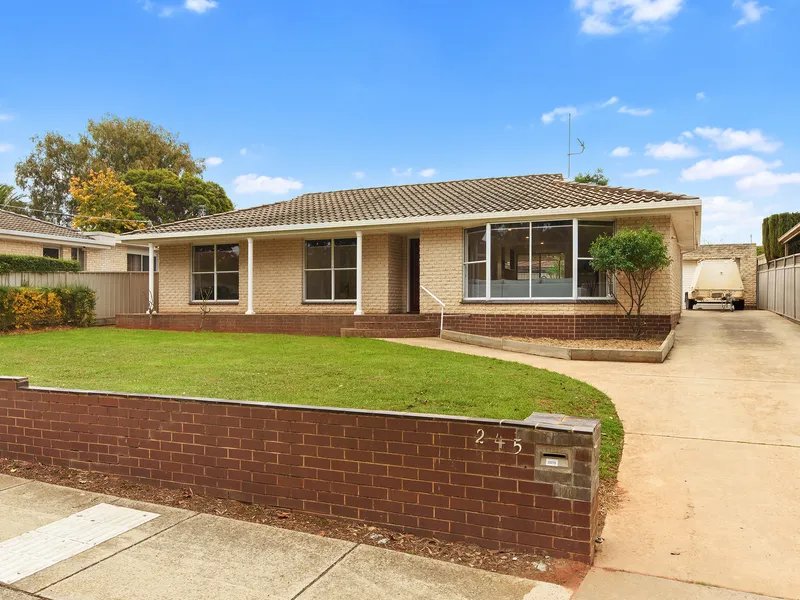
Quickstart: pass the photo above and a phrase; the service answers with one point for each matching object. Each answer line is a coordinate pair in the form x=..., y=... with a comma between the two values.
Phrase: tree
x=105, y=203
x=597, y=178
x=772, y=228
x=633, y=256
x=111, y=143
x=11, y=200
x=163, y=197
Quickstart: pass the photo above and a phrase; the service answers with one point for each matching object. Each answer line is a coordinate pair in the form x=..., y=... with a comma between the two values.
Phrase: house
x=743, y=254
x=506, y=256
x=791, y=241
x=95, y=251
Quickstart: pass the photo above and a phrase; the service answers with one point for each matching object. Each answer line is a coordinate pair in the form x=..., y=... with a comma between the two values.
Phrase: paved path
x=182, y=554
x=711, y=466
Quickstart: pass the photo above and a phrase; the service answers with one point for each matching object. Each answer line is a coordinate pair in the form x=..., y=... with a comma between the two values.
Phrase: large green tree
x=162, y=196
x=597, y=178
x=111, y=143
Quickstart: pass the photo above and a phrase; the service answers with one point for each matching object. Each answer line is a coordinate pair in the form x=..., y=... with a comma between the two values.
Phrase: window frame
x=79, y=255
x=215, y=272
x=333, y=268
x=530, y=299
x=142, y=257
x=56, y=248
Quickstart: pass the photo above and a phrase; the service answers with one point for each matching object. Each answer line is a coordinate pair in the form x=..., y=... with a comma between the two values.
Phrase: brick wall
x=113, y=259
x=428, y=475
x=292, y=324
x=746, y=257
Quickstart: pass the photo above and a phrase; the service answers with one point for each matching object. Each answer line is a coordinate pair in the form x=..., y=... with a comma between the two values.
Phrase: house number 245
x=499, y=441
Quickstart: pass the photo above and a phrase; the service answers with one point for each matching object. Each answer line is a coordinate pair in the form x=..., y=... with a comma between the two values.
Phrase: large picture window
x=533, y=260
x=330, y=270
x=215, y=273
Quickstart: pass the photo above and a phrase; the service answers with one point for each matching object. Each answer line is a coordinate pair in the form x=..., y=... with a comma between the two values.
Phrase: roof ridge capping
x=607, y=188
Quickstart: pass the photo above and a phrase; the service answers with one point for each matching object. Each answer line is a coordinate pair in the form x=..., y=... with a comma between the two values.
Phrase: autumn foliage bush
x=32, y=308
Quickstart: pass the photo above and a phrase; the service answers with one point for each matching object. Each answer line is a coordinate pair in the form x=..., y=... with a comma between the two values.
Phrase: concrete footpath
x=183, y=554
x=710, y=474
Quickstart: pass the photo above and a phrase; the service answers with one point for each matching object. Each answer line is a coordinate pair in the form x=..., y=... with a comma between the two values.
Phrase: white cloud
x=200, y=6
x=726, y=220
x=359, y=174
x=561, y=112
x=255, y=184
x=671, y=151
x=427, y=173
x=621, y=152
x=167, y=11
x=766, y=183
x=635, y=112
x=730, y=139
x=686, y=135
x=752, y=11
x=742, y=164
x=641, y=173
x=722, y=208
x=6, y=117
x=398, y=173
x=609, y=102
x=608, y=17
x=700, y=95
x=243, y=151
x=5, y=147
x=214, y=161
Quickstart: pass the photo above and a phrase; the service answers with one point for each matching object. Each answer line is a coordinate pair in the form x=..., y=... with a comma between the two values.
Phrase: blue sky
x=690, y=96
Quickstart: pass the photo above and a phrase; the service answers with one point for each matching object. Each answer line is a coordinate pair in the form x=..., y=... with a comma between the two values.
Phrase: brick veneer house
x=506, y=256
x=28, y=236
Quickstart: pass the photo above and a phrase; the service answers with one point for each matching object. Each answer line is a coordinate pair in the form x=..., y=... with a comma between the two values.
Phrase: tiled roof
x=10, y=221
x=448, y=198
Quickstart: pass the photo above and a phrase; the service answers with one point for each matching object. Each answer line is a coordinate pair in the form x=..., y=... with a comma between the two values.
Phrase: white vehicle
x=717, y=281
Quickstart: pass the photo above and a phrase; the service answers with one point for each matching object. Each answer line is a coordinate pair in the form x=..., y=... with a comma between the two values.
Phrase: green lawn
x=356, y=373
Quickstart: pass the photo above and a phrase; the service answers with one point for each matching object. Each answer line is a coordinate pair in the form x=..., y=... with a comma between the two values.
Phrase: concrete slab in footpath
x=615, y=585
x=378, y=574
x=7, y=481
x=9, y=594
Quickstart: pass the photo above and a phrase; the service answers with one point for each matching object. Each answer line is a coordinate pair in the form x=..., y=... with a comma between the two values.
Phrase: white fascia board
x=789, y=234
x=571, y=212
x=61, y=239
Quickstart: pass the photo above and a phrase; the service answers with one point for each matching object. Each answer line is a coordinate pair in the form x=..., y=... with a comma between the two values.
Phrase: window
x=51, y=252
x=532, y=260
x=141, y=262
x=215, y=273
x=79, y=254
x=330, y=270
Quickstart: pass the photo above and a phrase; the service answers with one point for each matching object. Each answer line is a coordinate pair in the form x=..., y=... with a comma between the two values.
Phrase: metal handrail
x=441, y=322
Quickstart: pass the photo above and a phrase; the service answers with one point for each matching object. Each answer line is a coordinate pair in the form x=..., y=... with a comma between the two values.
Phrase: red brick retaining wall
x=296, y=324
x=565, y=326
x=482, y=481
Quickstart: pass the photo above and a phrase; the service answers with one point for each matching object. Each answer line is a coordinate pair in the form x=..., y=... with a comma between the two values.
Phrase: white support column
x=151, y=280
x=359, y=256
x=250, y=310
x=488, y=261
x=574, y=258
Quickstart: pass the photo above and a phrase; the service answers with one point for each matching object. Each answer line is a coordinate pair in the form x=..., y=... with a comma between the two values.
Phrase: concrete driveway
x=711, y=467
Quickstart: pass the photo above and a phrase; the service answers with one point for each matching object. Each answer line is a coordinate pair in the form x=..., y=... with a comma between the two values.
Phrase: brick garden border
x=454, y=478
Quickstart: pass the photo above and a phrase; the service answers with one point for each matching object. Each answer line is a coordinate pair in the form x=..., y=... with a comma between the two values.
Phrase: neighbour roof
x=790, y=235
x=448, y=198
x=10, y=221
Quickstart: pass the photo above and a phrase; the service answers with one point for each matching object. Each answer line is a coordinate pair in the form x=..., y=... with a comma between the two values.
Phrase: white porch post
x=151, y=280
x=574, y=258
x=250, y=310
x=359, y=255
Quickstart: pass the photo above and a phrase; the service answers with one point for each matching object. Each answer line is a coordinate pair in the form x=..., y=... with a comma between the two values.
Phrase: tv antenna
x=570, y=153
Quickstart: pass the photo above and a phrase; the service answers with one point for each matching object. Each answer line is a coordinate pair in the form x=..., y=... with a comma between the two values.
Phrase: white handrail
x=441, y=322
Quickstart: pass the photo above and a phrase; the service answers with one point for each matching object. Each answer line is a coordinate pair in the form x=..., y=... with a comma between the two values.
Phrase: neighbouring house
x=791, y=241
x=506, y=256
x=95, y=251
x=743, y=254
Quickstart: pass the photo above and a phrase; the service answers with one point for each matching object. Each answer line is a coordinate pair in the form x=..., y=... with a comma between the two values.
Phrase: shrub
x=29, y=308
x=773, y=227
x=16, y=263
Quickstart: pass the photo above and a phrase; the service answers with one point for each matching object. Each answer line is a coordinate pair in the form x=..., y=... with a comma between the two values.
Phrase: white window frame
x=530, y=299
x=332, y=269
x=56, y=248
x=611, y=283
x=146, y=256
x=192, y=273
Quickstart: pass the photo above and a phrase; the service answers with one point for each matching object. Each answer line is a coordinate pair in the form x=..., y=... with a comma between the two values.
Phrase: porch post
x=250, y=310
x=151, y=280
x=359, y=254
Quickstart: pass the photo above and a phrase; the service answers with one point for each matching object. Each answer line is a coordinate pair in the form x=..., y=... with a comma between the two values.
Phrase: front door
x=413, y=275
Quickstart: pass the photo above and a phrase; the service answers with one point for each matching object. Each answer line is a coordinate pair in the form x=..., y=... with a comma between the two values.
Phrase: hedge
x=16, y=263
x=773, y=228
x=30, y=308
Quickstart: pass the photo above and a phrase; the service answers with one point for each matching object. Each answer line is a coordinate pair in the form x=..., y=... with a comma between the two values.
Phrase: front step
x=389, y=333
x=399, y=321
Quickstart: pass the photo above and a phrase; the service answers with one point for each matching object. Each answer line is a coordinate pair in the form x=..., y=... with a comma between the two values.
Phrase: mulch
x=615, y=344
x=528, y=565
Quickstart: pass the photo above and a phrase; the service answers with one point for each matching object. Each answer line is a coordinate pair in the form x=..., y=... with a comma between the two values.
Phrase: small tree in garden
x=105, y=203
x=633, y=256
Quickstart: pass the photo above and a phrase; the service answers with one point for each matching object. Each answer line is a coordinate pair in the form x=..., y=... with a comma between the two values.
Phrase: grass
x=356, y=373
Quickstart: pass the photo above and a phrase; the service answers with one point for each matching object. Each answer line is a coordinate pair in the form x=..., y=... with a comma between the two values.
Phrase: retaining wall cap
x=563, y=422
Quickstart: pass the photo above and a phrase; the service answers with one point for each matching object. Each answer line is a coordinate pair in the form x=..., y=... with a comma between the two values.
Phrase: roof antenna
x=570, y=153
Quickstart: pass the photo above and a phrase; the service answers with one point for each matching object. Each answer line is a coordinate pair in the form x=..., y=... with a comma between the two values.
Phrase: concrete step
x=389, y=333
